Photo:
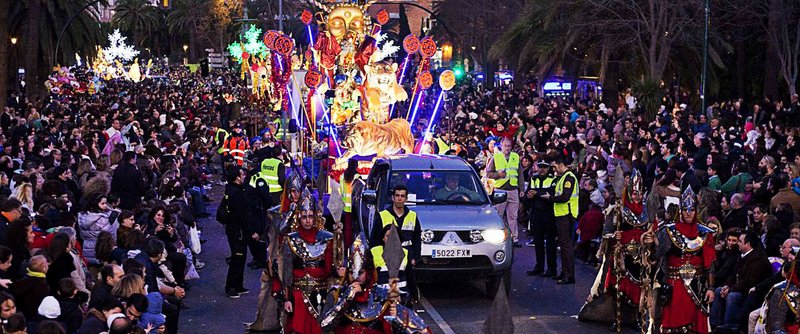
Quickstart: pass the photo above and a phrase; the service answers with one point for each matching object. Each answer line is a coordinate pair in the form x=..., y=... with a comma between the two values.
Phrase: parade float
x=343, y=90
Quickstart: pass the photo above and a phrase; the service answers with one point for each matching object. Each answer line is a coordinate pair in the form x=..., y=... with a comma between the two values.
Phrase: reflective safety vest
x=511, y=167
x=236, y=147
x=220, y=142
x=406, y=231
x=536, y=183
x=269, y=171
x=441, y=146
x=571, y=205
x=346, y=190
x=383, y=270
x=257, y=180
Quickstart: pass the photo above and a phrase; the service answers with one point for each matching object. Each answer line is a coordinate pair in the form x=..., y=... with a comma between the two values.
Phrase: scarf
x=35, y=273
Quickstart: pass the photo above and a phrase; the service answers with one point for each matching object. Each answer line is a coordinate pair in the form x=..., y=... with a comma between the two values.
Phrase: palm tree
x=43, y=21
x=5, y=48
x=188, y=16
x=138, y=17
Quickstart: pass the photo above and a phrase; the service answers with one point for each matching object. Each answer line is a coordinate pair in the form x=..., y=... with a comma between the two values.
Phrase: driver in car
x=452, y=190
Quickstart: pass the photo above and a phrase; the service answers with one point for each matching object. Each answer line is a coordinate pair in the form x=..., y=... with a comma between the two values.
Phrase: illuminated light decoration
x=252, y=43
x=284, y=45
x=117, y=49
x=306, y=17
x=236, y=51
x=416, y=107
x=164, y=4
x=427, y=47
x=400, y=82
x=386, y=48
x=313, y=79
x=383, y=17
x=447, y=80
x=310, y=36
x=459, y=72
x=332, y=127
x=270, y=37
x=411, y=44
x=425, y=80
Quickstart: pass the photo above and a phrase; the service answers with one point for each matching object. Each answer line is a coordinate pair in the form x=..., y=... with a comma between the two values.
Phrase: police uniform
x=565, y=210
x=346, y=191
x=543, y=226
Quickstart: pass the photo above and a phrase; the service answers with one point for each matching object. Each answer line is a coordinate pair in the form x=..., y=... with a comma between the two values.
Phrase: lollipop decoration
x=447, y=80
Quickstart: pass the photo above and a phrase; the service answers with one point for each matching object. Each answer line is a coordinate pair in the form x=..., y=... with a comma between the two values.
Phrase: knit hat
x=49, y=308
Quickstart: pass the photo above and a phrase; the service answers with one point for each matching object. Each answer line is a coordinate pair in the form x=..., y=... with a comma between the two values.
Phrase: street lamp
x=14, y=40
x=447, y=53
x=185, y=59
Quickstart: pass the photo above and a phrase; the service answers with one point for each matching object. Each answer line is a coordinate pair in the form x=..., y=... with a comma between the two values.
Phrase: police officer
x=542, y=220
x=565, y=209
x=271, y=176
x=346, y=181
x=409, y=229
x=235, y=214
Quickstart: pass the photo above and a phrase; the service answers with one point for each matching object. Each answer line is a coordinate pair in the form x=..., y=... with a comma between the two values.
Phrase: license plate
x=451, y=253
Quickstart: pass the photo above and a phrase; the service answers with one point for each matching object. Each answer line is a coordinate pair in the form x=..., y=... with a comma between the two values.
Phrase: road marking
x=435, y=315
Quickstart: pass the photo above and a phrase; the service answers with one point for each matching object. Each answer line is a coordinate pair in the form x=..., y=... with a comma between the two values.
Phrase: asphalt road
x=456, y=305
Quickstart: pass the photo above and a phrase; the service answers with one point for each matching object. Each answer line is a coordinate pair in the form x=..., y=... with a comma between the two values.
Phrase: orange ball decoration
x=427, y=47
x=411, y=44
x=447, y=80
x=425, y=80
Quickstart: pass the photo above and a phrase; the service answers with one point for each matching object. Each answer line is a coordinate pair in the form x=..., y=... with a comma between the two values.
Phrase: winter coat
x=91, y=224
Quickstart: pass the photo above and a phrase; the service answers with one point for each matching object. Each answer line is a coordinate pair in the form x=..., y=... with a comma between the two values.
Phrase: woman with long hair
x=128, y=285
x=19, y=239
x=92, y=220
x=24, y=193
x=61, y=264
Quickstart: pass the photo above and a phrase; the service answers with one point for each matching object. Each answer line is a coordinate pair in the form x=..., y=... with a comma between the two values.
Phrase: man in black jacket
x=128, y=182
x=738, y=217
x=110, y=275
x=237, y=218
x=727, y=309
x=725, y=266
x=11, y=210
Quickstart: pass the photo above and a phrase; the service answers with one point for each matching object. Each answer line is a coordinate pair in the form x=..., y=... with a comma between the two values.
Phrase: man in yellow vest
x=346, y=181
x=409, y=229
x=374, y=259
x=273, y=175
x=504, y=167
x=542, y=222
x=443, y=143
x=565, y=209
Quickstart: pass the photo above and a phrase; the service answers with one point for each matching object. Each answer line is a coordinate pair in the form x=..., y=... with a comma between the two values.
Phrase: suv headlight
x=427, y=236
x=475, y=236
x=494, y=236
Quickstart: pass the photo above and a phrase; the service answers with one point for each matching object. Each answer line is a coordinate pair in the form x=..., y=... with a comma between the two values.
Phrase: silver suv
x=461, y=231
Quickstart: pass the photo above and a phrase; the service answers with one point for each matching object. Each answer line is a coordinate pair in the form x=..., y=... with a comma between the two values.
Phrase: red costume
x=686, y=250
x=308, y=255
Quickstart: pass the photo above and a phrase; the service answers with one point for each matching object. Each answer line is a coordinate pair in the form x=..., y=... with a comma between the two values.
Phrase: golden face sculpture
x=344, y=19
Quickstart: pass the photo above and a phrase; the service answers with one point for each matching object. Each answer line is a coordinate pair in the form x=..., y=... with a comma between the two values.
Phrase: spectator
x=97, y=319
x=752, y=268
x=785, y=195
x=62, y=265
x=727, y=257
x=33, y=288
x=109, y=277
x=737, y=217
x=128, y=182
x=93, y=220
x=11, y=210
x=70, y=305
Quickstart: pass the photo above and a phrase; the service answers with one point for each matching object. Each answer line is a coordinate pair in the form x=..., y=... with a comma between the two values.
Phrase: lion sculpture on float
x=366, y=138
x=381, y=90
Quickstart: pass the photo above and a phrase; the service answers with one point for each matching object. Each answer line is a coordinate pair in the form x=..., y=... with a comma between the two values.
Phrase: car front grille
x=463, y=235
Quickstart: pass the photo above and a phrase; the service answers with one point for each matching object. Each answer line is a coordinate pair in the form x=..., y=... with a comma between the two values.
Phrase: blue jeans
x=727, y=311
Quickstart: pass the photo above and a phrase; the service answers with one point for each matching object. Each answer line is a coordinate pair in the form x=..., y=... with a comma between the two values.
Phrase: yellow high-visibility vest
x=406, y=230
x=571, y=205
x=442, y=146
x=269, y=170
x=511, y=167
x=218, y=141
x=346, y=190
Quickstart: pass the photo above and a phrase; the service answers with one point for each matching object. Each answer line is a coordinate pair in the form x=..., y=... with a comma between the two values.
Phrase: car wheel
x=493, y=283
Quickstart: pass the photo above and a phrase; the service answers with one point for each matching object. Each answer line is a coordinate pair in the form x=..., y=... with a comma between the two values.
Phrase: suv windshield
x=439, y=187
